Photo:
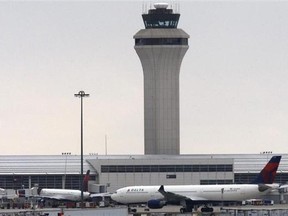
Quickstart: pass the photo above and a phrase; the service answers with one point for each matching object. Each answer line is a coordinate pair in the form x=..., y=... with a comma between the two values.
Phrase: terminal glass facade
x=166, y=168
x=246, y=178
x=47, y=181
x=43, y=181
x=13, y=181
x=216, y=181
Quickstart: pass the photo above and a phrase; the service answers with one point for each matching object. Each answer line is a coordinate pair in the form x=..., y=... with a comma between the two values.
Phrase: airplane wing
x=177, y=197
x=283, y=188
x=100, y=195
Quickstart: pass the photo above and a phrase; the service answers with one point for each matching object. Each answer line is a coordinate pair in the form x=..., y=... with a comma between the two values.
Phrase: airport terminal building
x=110, y=172
x=162, y=42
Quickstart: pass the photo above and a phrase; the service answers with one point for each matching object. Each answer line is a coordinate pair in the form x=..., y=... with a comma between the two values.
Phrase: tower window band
x=161, y=41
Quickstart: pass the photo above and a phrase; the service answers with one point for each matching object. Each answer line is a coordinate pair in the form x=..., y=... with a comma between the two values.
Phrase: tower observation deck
x=161, y=47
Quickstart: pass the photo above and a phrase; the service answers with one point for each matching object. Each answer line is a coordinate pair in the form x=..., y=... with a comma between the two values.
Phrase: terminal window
x=216, y=181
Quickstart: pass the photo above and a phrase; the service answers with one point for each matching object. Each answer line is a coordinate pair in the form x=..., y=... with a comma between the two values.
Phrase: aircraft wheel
x=132, y=210
x=207, y=209
x=182, y=210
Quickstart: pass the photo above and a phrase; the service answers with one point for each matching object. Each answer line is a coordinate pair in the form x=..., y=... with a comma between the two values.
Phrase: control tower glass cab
x=161, y=47
x=160, y=17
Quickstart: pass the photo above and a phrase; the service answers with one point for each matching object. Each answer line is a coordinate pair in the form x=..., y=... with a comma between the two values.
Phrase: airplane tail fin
x=86, y=180
x=268, y=173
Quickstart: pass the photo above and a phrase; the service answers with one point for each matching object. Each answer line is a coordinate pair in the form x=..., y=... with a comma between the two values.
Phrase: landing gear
x=132, y=210
x=207, y=209
x=182, y=210
x=187, y=206
x=187, y=209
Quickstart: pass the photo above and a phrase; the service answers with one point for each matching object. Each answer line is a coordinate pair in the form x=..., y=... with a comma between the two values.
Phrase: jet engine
x=156, y=204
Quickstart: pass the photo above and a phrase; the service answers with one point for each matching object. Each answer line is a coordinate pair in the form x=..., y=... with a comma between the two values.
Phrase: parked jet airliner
x=66, y=194
x=190, y=196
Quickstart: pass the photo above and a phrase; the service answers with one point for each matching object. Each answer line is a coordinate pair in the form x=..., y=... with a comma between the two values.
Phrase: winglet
x=268, y=173
x=161, y=189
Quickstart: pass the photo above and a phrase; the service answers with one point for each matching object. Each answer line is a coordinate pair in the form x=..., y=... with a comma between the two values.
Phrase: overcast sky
x=233, y=80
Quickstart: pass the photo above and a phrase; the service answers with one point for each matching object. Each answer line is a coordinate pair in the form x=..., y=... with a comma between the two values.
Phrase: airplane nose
x=117, y=198
x=114, y=197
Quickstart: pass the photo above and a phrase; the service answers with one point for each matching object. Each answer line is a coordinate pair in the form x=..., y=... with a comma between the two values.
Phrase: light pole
x=81, y=94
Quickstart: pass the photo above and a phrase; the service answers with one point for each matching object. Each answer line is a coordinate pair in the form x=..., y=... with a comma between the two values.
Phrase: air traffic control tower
x=161, y=47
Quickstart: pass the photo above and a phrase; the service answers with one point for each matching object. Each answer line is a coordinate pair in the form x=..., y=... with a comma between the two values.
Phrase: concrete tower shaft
x=161, y=48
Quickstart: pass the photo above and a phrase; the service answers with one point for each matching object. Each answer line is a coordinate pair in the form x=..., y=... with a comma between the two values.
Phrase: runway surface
x=273, y=210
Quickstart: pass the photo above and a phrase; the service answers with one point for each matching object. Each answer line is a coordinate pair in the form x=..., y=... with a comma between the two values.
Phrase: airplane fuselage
x=233, y=192
x=63, y=194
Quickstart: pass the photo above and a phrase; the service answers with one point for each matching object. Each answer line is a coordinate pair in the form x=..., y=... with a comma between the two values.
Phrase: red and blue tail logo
x=86, y=180
x=268, y=173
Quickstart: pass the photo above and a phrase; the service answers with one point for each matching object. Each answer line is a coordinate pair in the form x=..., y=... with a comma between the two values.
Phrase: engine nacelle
x=156, y=204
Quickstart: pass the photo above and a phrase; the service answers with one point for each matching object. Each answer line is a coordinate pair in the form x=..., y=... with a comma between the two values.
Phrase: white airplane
x=190, y=196
x=63, y=194
x=66, y=194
